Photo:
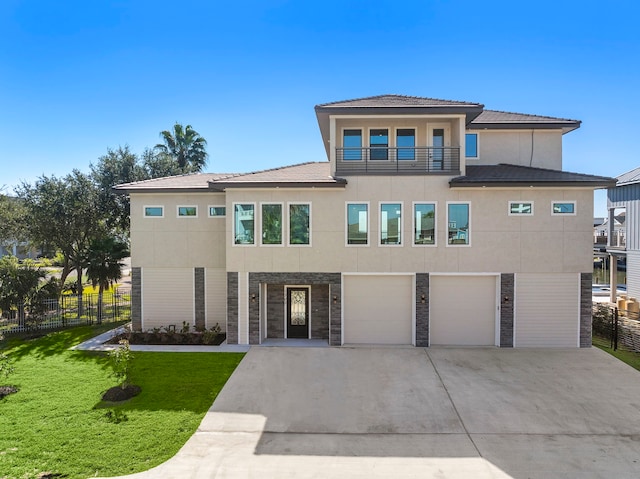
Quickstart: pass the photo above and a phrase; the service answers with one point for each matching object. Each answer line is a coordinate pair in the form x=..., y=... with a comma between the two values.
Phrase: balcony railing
x=429, y=160
x=617, y=240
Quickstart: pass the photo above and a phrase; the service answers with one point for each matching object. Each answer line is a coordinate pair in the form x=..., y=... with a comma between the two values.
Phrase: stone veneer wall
x=275, y=310
x=422, y=310
x=335, y=317
x=279, y=278
x=507, y=289
x=585, y=309
x=199, y=301
x=232, y=308
x=136, y=298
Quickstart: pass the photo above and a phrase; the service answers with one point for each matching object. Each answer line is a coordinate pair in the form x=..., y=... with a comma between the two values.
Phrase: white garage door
x=378, y=309
x=547, y=310
x=167, y=297
x=462, y=310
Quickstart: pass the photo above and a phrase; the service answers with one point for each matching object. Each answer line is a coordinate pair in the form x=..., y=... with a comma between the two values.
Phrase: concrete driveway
x=442, y=413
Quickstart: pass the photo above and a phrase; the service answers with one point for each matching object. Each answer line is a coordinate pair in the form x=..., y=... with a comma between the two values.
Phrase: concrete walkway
x=442, y=413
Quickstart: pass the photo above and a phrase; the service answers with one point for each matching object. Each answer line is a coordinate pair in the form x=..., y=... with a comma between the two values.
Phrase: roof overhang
x=218, y=186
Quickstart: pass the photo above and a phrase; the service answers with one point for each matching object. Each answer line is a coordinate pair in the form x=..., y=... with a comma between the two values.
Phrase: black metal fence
x=67, y=310
x=621, y=328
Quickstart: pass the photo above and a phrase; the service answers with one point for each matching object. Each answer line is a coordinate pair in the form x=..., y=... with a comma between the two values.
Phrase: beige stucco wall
x=499, y=242
x=514, y=147
x=173, y=242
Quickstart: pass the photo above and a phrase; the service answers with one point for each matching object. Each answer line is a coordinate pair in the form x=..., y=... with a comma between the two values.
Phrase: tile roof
x=515, y=175
x=395, y=101
x=180, y=182
x=505, y=119
x=629, y=178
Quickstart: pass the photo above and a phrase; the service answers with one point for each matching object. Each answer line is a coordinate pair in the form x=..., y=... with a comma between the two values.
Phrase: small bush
x=121, y=359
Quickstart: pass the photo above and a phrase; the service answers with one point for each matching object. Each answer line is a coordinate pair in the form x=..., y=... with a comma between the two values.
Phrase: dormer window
x=379, y=144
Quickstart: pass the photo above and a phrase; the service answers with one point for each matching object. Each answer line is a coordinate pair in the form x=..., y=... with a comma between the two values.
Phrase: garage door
x=378, y=309
x=462, y=310
x=547, y=310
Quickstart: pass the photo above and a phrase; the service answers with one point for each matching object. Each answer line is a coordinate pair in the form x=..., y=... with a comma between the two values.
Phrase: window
x=471, y=145
x=563, y=208
x=520, y=208
x=352, y=144
x=217, y=211
x=390, y=223
x=272, y=224
x=154, y=211
x=458, y=224
x=243, y=223
x=424, y=224
x=406, y=143
x=187, y=211
x=379, y=143
x=357, y=224
x=299, y=224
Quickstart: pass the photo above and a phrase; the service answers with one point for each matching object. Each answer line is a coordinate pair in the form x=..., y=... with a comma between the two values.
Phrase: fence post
x=615, y=330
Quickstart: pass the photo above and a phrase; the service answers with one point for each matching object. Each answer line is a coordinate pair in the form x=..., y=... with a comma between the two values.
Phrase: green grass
x=629, y=357
x=56, y=423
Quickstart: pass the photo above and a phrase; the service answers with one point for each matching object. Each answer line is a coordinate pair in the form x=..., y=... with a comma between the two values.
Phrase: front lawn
x=56, y=423
x=629, y=357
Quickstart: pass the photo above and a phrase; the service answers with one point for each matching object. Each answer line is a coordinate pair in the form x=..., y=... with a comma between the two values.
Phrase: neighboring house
x=19, y=249
x=434, y=222
x=623, y=201
x=601, y=230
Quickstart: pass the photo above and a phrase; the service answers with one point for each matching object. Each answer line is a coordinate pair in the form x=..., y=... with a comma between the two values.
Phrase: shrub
x=121, y=358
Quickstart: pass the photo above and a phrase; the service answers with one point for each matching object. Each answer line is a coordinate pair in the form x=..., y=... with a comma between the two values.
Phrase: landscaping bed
x=162, y=336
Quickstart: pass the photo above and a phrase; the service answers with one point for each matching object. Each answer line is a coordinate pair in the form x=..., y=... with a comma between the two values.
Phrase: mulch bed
x=118, y=393
x=6, y=390
x=157, y=338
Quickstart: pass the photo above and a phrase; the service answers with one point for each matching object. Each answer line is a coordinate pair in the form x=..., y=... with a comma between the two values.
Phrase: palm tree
x=185, y=146
x=104, y=265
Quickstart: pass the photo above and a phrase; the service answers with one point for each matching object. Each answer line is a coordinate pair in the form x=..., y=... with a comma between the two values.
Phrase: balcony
x=428, y=160
x=617, y=240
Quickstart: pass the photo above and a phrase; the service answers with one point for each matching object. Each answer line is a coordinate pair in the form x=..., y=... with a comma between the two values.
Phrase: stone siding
x=232, y=308
x=422, y=310
x=136, y=298
x=585, y=309
x=507, y=289
x=199, y=300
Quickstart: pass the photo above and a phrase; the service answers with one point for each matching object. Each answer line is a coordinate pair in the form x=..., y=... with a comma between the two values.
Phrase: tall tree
x=104, y=265
x=13, y=221
x=185, y=146
x=19, y=285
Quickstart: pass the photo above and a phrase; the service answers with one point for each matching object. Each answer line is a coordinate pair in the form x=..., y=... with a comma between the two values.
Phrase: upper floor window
x=563, y=208
x=424, y=224
x=390, y=223
x=519, y=208
x=471, y=145
x=299, y=224
x=405, y=143
x=357, y=224
x=352, y=144
x=187, y=211
x=272, y=224
x=379, y=144
x=154, y=211
x=217, y=211
x=458, y=221
x=243, y=223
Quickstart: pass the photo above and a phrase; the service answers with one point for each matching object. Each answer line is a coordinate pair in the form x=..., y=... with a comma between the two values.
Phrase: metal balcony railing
x=400, y=160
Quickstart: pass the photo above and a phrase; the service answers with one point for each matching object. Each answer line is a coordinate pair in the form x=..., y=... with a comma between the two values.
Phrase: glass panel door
x=297, y=312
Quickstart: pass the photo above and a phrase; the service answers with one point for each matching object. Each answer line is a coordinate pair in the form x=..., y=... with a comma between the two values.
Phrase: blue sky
x=77, y=77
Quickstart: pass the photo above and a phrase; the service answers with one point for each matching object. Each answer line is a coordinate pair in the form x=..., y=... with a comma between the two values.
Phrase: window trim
x=144, y=211
x=400, y=224
x=288, y=229
x=477, y=135
x=346, y=224
x=570, y=202
x=216, y=206
x=468, y=244
x=415, y=142
x=413, y=224
x=370, y=148
x=362, y=148
x=516, y=202
x=282, y=228
x=233, y=224
x=178, y=215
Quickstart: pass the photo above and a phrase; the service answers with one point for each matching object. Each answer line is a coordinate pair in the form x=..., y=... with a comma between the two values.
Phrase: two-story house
x=433, y=222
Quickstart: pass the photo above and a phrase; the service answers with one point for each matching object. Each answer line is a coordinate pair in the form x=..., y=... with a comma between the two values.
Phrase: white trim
x=369, y=147
x=395, y=142
x=362, y=151
x=509, y=213
x=468, y=244
x=575, y=208
x=286, y=307
x=281, y=204
x=346, y=223
x=400, y=224
x=446, y=126
x=413, y=224
x=178, y=215
x=233, y=223
x=209, y=215
x=477, y=134
x=144, y=211
x=288, y=228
